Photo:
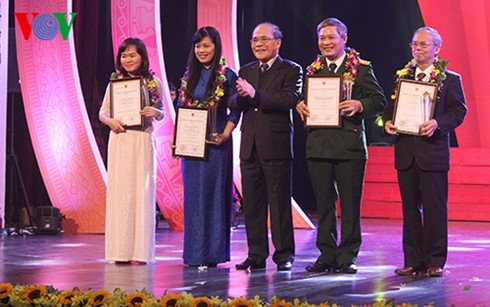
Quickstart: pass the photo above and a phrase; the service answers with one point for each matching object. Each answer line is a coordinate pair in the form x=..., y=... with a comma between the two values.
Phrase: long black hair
x=144, y=69
x=195, y=67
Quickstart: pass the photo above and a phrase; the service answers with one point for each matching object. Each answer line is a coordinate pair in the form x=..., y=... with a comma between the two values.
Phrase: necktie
x=332, y=67
x=420, y=76
x=264, y=67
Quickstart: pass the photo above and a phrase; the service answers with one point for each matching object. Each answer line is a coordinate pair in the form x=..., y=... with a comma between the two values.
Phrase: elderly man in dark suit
x=423, y=161
x=267, y=90
x=337, y=156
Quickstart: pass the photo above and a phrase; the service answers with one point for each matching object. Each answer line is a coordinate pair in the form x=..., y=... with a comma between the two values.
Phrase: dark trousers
x=424, y=198
x=267, y=184
x=332, y=178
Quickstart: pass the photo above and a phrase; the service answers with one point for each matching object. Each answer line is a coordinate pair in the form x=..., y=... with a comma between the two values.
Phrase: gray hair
x=436, y=37
x=276, y=32
x=334, y=22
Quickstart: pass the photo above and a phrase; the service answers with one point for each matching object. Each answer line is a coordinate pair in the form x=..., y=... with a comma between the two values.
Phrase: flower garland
x=351, y=65
x=151, y=84
x=438, y=74
x=42, y=295
x=210, y=101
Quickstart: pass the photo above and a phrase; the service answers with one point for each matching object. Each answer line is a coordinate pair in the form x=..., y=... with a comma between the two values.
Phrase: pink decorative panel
x=221, y=14
x=465, y=30
x=140, y=18
x=63, y=142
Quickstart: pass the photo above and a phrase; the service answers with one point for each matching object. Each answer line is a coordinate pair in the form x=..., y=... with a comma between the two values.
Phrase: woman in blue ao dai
x=208, y=82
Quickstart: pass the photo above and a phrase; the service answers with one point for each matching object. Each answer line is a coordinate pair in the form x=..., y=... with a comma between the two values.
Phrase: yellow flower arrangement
x=66, y=297
x=438, y=74
x=150, y=82
x=240, y=302
x=276, y=302
x=99, y=298
x=5, y=290
x=351, y=65
x=212, y=100
x=136, y=299
x=33, y=292
x=170, y=300
x=201, y=302
x=42, y=295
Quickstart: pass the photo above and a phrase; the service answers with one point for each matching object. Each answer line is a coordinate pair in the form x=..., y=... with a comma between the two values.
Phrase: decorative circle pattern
x=45, y=27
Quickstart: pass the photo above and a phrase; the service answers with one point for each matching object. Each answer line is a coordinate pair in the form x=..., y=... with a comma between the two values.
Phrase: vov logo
x=45, y=26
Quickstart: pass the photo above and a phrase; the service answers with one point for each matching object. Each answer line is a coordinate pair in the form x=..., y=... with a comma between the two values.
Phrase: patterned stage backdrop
x=221, y=14
x=4, y=40
x=140, y=18
x=62, y=138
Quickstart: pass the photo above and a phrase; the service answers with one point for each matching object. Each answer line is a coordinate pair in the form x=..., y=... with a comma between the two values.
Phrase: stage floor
x=67, y=261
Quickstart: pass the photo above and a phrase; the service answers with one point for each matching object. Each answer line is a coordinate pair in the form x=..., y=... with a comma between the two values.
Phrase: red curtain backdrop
x=465, y=29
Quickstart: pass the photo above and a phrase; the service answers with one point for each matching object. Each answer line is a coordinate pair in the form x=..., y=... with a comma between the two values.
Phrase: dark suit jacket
x=349, y=141
x=432, y=153
x=267, y=119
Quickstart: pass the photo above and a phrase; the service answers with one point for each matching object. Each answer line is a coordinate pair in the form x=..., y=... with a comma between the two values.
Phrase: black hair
x=195, y=67
x=144, y=69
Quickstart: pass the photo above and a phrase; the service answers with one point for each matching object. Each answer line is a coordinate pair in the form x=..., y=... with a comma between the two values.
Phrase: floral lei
x=438, y=74
x=150, y=84
x=351, y=66
x=212, y=100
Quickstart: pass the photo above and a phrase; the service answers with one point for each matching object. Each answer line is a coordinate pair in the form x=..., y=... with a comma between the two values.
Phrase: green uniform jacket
x=349, y=141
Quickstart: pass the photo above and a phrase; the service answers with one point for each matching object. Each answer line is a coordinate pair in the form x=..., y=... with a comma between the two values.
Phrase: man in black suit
x=337, y=156
x=423, y=161
x=267, y=90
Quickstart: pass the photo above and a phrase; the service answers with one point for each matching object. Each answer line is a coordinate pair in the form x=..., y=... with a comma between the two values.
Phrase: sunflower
x=99, y=298
x=6, y=290
x=240, y=302
x=33, y=292
x=135, y=299
x=281, y=303
x=170, y=300
x=66, y=297
x=201, y=302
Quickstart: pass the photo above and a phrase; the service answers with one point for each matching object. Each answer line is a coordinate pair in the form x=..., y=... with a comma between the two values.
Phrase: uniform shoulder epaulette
x=364, y=62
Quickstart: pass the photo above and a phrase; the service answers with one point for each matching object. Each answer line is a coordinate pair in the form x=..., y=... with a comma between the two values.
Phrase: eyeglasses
x=262, y=39
x=423, y=45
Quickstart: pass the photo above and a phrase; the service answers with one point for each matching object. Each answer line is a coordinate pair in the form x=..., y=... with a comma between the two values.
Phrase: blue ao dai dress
x=208, y=189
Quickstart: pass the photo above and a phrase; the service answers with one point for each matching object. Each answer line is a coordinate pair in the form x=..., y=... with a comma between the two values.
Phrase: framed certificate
x=127, y=101
x=414, y=105
x=190, y=132
x=322, y=96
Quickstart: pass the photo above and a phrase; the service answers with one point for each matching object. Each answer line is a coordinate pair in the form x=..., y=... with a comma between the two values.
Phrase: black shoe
x=211, y=264
x=284, y=266
x=250, y=263
x=122, y=262
x=320, y=267
x=348, y=269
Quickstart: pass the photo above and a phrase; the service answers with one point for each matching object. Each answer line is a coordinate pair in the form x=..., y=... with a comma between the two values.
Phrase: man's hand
x=303, y=110
x=390, y=128
x=244, y=88
x=350, y=107
x=428, y=128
